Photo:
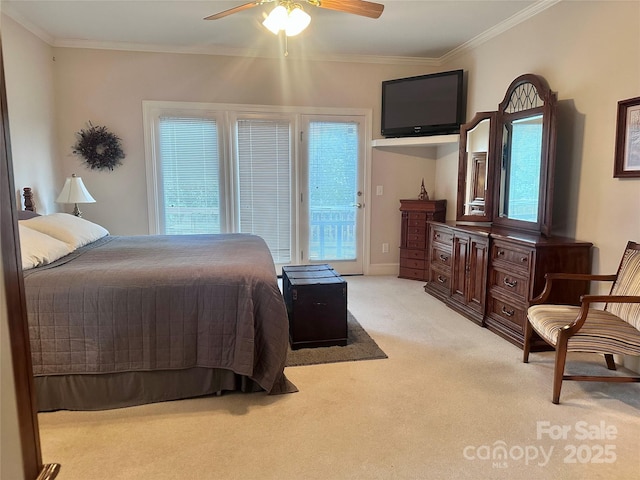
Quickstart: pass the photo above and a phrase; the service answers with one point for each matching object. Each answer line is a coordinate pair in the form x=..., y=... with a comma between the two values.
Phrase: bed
x=118, y=321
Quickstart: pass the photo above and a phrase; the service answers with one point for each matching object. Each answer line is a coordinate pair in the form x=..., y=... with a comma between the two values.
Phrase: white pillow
x=74, y=231
x=39, y=249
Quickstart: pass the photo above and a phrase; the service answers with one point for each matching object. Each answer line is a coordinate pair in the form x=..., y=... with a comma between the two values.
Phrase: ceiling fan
x=290, y=17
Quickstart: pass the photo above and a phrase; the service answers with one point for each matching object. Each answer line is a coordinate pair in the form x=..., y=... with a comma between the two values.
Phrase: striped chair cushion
x=627, y=283
x=602, y=332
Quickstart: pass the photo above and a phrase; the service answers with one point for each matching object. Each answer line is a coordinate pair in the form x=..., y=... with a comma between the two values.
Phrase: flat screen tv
x=424, y=105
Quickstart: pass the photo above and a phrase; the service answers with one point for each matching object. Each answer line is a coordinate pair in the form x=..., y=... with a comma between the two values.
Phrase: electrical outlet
x=379, y=190
x=385, y=248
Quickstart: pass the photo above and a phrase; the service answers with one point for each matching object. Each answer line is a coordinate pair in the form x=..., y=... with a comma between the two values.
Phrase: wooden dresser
x=457, y=267
x=490, y=274
x=414, y=242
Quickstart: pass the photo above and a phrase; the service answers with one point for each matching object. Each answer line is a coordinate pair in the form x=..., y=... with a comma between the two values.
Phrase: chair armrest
x=550, y=277
x=581, y=276
x=587, y=300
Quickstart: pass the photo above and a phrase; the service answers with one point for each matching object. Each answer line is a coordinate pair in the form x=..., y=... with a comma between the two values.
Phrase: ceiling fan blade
x=357, y=7
x=237, y=9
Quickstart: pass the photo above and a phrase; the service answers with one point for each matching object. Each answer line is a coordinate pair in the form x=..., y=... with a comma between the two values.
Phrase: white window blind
x=264, y=183
x=189, y=200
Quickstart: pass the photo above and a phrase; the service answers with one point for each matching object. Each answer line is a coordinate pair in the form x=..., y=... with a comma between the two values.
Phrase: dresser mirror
x=526, y=138
x=475, y=168
x=507, y=158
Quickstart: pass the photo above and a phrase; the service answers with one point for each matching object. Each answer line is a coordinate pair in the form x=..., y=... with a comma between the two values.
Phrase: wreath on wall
x=100, y=148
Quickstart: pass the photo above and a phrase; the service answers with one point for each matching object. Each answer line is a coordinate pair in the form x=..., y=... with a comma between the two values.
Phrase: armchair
x=615, y=329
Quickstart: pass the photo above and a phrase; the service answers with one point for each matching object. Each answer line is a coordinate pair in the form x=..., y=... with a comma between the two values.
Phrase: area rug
x=360, y=346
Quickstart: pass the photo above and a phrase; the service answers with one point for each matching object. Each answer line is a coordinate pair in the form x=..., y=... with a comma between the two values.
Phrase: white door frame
x=363, y=118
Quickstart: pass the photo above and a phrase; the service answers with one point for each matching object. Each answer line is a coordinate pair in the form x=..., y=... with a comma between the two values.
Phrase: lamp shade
x=74, y=191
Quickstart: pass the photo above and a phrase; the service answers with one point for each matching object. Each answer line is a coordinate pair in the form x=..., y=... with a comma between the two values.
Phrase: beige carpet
x=449, y=396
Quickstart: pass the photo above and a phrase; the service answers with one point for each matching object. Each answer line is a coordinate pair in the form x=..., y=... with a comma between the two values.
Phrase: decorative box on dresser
x=414, y=242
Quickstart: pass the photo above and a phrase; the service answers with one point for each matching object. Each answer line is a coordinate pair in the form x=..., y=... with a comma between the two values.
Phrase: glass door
x=332, y=192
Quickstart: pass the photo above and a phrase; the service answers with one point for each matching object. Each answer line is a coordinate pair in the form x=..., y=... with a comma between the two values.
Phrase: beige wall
x=108, y=87
x=589, y=52
x=29, y=65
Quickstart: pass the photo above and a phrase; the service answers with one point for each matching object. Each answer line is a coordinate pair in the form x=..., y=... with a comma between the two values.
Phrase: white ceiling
x=414, y=30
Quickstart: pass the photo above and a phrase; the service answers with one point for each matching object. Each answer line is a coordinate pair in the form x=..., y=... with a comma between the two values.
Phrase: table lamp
x=75, y=192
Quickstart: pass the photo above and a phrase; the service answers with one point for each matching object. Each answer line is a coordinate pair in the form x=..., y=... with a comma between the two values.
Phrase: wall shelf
x=430, y=141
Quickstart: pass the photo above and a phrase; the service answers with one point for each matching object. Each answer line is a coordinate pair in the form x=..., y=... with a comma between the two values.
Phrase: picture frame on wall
x=627, y=156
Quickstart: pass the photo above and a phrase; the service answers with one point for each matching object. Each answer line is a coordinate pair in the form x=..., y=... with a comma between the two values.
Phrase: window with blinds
x=264, y=183
x=291, y=175
x=189, y=172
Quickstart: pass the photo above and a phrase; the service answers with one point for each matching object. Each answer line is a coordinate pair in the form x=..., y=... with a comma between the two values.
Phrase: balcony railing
x=332, y=235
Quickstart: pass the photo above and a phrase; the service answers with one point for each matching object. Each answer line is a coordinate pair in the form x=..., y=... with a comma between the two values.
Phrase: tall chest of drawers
x=413, y=235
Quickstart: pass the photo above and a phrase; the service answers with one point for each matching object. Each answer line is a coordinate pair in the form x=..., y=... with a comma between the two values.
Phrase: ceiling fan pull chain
x=286, y=45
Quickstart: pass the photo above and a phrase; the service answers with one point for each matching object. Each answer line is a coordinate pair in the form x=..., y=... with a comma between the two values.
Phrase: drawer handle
x=443, y=258
x=437, y=235
x=509, y=283
x=500, y=253
x=442, y=279
x=524, y=259
x=508, y=313
x=319, y=304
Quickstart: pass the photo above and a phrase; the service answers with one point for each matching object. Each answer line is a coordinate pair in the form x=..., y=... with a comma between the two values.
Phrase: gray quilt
x=146, y=303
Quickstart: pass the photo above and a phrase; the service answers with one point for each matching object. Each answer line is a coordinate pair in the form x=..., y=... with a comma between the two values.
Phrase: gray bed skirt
x=127, y=389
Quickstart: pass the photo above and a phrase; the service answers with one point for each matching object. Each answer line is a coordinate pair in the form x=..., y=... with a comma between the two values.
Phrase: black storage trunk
x=316, y=299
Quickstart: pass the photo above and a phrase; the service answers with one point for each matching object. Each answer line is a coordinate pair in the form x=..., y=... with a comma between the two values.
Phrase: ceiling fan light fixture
x=297, y=21
x=288, y=17
x=276, y=20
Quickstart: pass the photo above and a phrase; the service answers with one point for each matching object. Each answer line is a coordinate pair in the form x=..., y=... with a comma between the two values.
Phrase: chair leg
x=526, y=348
x=558, y=373
x=611, y=365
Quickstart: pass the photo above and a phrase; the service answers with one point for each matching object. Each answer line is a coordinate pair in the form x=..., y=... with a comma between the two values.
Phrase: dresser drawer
x=510, y=283
x=417, y=230
x=417, y=219
x=412, y=273
x=416, y=240
x=441, y=235
x=411, y=263
x=440, y=257
x=411, y=253
x=506, y=314
x=519, y=258
x=440, y=280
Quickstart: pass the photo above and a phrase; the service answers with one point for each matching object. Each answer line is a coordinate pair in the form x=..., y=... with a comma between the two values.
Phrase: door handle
x=358, y=205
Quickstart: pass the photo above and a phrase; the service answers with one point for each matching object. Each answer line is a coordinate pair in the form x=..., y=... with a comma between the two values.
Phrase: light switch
x=379, y=190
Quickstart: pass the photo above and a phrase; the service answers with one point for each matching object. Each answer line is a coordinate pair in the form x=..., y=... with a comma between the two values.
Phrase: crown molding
x=248, y=53
x=9, y=11
x=498, y=29
x=502, y=27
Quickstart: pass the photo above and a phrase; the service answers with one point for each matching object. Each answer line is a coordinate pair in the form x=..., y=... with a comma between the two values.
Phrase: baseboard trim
x=383, y=269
